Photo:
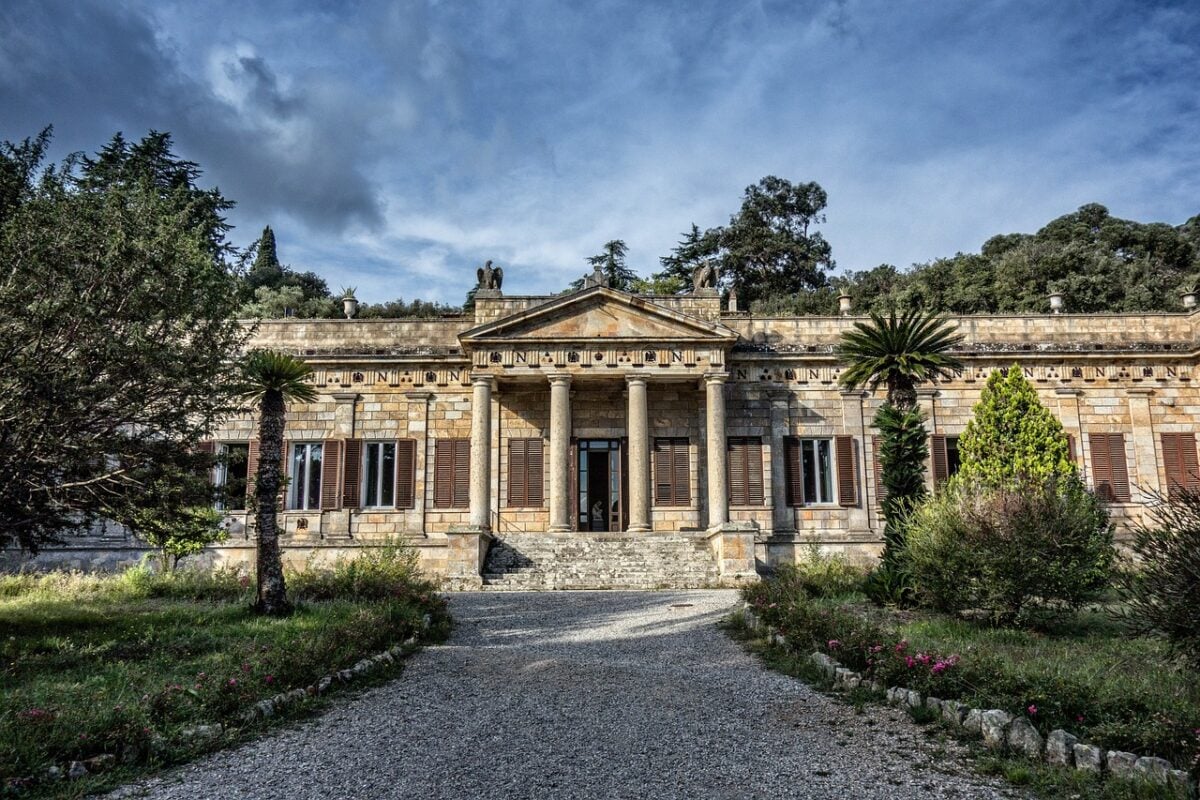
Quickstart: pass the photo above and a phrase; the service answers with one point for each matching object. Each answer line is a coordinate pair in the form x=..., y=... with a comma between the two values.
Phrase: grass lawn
x=124, y=666
x=1085, y=674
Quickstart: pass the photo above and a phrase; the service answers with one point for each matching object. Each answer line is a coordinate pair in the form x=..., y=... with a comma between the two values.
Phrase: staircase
x=538, y=561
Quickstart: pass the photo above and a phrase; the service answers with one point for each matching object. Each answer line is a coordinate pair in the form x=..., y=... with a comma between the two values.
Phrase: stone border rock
x=999, y=730
x=263, y=709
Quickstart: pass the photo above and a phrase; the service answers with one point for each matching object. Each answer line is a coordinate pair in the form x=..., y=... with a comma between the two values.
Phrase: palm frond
x=914, y=346
x=266, y=371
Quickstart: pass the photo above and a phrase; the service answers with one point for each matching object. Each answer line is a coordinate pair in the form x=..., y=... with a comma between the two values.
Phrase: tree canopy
x=117, y=324
x=770, y=246
x=1097, y=261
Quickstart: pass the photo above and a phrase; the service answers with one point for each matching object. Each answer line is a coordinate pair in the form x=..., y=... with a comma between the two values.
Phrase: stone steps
x=533, y=561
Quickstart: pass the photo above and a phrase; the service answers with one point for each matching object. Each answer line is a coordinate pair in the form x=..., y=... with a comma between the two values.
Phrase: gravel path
x=587, y=695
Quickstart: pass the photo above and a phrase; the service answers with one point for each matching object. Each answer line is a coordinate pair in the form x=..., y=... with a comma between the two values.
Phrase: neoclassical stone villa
x=599, y=438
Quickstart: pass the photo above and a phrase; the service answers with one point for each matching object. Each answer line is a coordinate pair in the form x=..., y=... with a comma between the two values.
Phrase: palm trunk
x=902, y=393
x=272, y=594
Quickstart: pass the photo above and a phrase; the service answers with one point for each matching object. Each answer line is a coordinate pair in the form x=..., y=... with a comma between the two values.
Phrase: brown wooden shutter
x=680, y=458
x=941, y=464
x=793, y=474
x=671, y=473
x=1179, y=459
x=331, y=459
x=877, y=467
x=847, y=471
x=443, y=473
x=251, y=469
x=662, y=473
x=406, y=473
x=1110, y=475
x=352, y=474
x=462, y=473
x=745, y=471
x=518, y=472
x=534, y=470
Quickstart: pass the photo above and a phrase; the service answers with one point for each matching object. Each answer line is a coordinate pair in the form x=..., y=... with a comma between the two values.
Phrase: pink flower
x=910, y=662
x=902, y=646
x=270, y=679
x=938, y=668
x=833, y=644
x=233, y=681
x=1032, y=710
x=924, y=658
x=1079, y=717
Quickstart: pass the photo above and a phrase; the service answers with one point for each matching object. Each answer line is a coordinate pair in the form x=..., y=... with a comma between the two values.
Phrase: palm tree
x=272, y=380
x=901, y=352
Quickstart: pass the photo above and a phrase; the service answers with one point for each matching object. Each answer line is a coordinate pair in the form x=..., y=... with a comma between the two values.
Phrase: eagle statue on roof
x=490, y=277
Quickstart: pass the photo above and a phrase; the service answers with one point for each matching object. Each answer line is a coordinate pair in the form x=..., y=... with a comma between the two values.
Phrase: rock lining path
x=586, y=695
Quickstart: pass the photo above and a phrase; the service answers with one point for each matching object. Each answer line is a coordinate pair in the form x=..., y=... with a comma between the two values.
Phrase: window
x=305, y=489
x=808, y=464
x=525, y=481
x=745, y=471
x=1180, y=462
x=230, y=474
x=379, y=474
x=671, y=485
x=1110, y=477
x=452, y=473
x=946, y=461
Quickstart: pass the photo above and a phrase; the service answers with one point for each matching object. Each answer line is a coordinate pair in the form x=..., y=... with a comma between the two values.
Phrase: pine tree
x=1012, y=437
x=266, y=270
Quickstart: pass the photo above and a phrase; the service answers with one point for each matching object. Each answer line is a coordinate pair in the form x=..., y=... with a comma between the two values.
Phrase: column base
x=732, y=544
x=639, y=529
x=559, y=529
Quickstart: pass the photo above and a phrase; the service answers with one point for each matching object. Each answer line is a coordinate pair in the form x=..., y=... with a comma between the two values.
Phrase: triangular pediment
x=596, y=314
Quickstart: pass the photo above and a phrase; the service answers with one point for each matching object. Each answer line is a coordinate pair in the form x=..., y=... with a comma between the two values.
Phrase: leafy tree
x=177, y=531
x=272, y=380
x=266, y=269
x=1162, y=594
x=288, y=301
x=1012, y=438
x=769, y=247
x=611, y=261
x=116, y=328
x=1097, y=261
x=899, y=351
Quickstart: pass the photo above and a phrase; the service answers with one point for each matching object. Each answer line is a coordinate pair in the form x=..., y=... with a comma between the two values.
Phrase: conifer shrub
x=1162, y=589
x=1014, y=553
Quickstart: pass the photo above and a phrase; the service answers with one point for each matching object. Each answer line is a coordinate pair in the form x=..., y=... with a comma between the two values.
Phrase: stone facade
x=630, y=373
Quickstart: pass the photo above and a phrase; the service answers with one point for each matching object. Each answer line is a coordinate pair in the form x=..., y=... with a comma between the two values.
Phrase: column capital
x=637, y=377
x=420, y=397
x=478, y=378
x=716, y=377
x=345, y=397
x=559, y=378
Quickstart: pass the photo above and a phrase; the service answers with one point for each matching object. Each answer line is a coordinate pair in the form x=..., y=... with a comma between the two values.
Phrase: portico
x=581, y=348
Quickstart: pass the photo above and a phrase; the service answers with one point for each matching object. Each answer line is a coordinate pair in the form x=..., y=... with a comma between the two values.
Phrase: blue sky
x=396, y=145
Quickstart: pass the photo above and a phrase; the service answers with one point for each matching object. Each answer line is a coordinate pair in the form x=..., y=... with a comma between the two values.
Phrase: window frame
x=383, y=483
x=300, y=490
x=800, y=479
x=220, y=476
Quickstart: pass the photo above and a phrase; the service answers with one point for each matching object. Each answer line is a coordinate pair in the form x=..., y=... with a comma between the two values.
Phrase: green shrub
x=821, y=575
x=386, y=572
x=1014, y=553
x=1162, y=591
x=902, y=451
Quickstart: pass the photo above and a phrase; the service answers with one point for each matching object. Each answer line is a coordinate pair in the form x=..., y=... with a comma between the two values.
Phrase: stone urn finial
x=1056, y=302
x=349, y=302
x=1189, y=299
x=844, y=304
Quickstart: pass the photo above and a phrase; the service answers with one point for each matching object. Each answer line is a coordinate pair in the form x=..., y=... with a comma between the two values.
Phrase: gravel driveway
x=587, y=695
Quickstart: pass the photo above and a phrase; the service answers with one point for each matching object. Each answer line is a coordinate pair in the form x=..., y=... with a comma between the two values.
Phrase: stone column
x=718, y=477
x=782, y=517
x=638, y=424
x=1145, y=447
x=560, y=452
x=481, y=452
